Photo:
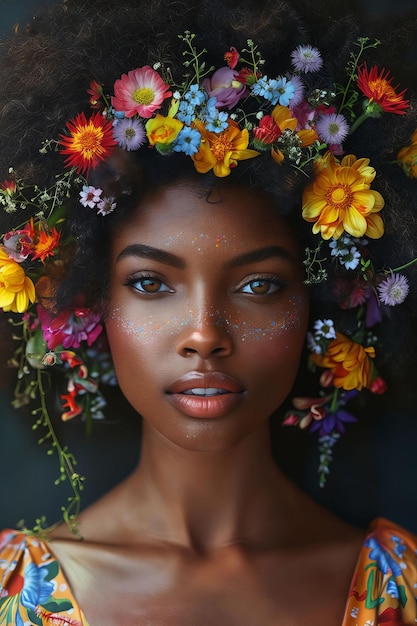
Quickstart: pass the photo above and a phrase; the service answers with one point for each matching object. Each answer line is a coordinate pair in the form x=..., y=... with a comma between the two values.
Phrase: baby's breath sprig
x=312, y=260
x=193, y=59
x=255, y=57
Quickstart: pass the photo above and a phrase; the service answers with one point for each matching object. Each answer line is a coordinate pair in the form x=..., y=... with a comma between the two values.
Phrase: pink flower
x=225, y=87
x=140, y=91
x=70, y=327
x=378, y=385
x=18, y=244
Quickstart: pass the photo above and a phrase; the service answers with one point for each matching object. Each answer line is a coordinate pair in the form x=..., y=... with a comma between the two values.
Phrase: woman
x=196, y=267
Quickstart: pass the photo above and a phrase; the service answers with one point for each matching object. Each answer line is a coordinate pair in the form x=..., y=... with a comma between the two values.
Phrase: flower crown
x=217, y=118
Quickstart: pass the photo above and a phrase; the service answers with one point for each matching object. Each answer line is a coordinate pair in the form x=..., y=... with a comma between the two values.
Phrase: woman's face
x=208, y=313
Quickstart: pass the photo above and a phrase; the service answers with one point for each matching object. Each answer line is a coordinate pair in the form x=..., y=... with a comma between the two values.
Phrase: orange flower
x=407, y=157
x=349, y=362
x=340, y=199
x=16, y=289
x=89, y=142
x=46, y=243
x=379, y=90
x=221, y=152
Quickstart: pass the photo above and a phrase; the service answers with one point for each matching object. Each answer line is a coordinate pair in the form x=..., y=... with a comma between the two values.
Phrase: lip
x=210, y=406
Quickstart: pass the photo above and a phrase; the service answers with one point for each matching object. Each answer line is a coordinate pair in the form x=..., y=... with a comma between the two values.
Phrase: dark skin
x=207, y=530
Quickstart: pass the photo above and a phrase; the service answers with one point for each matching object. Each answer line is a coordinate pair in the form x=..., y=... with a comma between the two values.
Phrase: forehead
x=224, y=214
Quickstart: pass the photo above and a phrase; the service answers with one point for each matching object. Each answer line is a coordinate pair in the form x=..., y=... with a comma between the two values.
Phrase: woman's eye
x=148, y=284
x=261, y=287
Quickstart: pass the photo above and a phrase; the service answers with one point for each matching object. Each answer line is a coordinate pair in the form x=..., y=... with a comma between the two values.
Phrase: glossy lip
x=205, y=407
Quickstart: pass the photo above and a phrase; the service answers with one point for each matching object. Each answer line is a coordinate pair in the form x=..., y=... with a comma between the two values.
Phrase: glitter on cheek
x=148, y=329
x=244, y=330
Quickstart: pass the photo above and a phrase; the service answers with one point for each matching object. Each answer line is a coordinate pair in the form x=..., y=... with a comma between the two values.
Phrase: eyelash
x=133, y=281
x=272, y=281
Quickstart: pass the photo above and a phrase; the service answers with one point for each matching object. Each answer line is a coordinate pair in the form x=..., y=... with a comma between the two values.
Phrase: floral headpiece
x=217, y=118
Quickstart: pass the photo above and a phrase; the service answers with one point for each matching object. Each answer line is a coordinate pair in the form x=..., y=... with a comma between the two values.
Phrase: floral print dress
x=33, y=589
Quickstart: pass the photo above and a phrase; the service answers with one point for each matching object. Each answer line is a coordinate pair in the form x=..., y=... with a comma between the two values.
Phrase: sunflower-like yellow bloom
x=407, y=157
x=348, y=361
x=16, y=289
x=341, y=199
x=221, y=152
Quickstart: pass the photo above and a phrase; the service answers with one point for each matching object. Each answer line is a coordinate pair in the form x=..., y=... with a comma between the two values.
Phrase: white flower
x=325, y=328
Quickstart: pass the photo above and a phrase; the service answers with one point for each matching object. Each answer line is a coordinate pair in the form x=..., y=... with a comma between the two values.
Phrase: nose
x=207, y=336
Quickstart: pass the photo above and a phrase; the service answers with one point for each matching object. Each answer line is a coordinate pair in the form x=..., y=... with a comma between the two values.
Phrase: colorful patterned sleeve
x=33, y=589
x=384, y=586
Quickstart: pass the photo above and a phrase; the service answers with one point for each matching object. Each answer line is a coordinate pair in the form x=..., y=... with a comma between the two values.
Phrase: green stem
x=359, y=120
x=403, y=267
x=71, y=511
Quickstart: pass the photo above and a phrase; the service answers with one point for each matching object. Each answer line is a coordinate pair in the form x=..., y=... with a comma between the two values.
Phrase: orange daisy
x=348, y=361
x=89, y=142
x=340, y=199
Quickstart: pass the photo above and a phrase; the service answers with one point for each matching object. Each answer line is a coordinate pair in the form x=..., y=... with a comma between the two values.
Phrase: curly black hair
x=46, y=69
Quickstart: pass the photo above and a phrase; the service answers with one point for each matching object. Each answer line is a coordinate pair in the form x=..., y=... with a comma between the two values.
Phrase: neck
x=206, y=499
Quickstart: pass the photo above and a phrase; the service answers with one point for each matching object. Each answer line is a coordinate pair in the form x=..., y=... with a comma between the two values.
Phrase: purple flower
x=299, y=89
x=106, y=205
x=129, y=134
x=306, y=59
x=332, y=422
x=225, y=87
x=332, y=128
x=393, y=290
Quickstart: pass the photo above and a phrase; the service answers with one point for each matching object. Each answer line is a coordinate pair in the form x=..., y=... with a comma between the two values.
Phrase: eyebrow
x=261, y=254
x=155, y=254
x=167, y=258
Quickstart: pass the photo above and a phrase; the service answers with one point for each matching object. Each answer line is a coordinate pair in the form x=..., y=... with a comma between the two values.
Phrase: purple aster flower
x=106, y=205
x=393, y=290
x=299, y=89
x=306, y=59
x=129, y=134
x=332, y=128
x=90, y=196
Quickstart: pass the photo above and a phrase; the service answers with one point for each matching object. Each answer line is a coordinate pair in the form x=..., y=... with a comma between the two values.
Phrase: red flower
x=232, y=57
x=267, y=132
x=378, y=88
x=95, y=92
x=9, y=187
x=69, y=403
x=88, y=143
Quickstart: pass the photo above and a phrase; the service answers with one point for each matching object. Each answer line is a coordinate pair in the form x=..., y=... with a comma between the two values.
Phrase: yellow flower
x=162, y=130
x=407, y=157
x=16, y=289
x=340, y=199
x=221, y=151
x=348, y=361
